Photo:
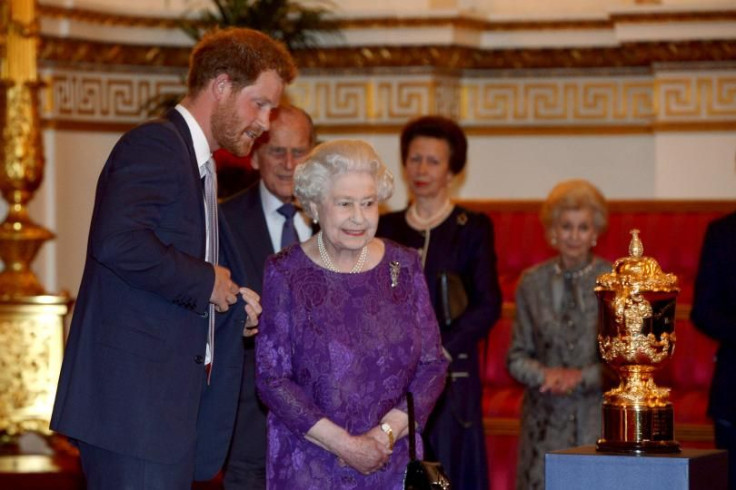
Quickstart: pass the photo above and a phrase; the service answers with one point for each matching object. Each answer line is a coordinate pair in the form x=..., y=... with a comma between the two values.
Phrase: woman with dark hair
x=457, y=251
x=554, y=348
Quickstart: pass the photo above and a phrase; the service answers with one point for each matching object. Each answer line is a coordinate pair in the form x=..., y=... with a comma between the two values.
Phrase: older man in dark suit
x=148, y=387
x=263, y=219
x=714, y=312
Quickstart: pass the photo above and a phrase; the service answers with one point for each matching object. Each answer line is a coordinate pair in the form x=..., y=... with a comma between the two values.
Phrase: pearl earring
x=553, y=240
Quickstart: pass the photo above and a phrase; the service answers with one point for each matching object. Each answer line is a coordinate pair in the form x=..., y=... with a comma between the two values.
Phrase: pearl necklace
x=427, y=223
x=328, y=261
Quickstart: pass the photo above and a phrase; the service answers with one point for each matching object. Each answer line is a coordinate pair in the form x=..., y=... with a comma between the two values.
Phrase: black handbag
x=421, y=475
x=453, y=297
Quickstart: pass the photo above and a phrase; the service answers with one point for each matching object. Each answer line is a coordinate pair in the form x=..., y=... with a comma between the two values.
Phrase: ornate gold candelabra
x=636, y=335
x=20, y=176
x=31, y=321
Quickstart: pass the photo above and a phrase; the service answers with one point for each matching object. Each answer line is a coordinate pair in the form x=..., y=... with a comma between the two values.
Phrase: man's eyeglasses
x=280, y=152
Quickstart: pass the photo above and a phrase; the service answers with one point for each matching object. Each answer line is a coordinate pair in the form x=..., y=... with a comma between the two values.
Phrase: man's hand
x=224, y=292
x=252, y=309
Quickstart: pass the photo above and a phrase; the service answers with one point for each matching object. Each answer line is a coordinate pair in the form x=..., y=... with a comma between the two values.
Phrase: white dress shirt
x=275, y=220
x=202, y=153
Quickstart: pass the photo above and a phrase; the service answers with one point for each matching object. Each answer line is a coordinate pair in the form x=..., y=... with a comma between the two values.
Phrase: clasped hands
x=368, y=452
x=225, y=293
x=560, y=381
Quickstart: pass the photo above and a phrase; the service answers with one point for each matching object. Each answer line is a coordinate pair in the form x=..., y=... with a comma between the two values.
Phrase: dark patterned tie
x=288, y=233
x=210, y=200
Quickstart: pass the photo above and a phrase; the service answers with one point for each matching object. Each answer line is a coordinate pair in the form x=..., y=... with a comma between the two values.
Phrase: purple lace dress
x=346, y=347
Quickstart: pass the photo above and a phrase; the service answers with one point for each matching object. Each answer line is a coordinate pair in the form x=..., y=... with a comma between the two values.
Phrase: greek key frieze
x=478, y=102
x=564, y=101
x=104, y=97
x=700, y=97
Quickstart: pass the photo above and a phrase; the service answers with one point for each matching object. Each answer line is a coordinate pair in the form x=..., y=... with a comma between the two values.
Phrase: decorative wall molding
x=384, y=22
x=693, y=97
x=106, y=18
x=562, y=104
x=78, y=53
x=65, y=51
x=629, y=85
x=116, y=99
x=579, y=101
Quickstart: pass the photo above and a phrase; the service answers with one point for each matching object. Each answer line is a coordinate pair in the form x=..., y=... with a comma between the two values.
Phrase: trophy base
x=637, y=430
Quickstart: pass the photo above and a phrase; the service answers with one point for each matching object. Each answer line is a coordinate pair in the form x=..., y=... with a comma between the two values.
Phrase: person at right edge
x=714, y=313
x=554, y=347
x=458, y=255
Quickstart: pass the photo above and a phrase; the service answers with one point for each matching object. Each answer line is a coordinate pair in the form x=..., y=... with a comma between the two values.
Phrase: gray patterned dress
x=555, y=326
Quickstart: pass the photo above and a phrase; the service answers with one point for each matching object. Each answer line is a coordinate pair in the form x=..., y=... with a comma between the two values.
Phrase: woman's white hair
x=314, y=176
x=572, y=195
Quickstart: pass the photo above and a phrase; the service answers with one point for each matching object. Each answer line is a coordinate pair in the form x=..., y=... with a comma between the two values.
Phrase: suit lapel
x=181, y=126
x=248, y=225
x=177, y=120
x=262, y=248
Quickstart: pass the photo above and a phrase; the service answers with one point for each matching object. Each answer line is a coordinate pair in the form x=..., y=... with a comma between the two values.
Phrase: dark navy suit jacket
x=132, y=379
x=244, y=214
x=714, y=310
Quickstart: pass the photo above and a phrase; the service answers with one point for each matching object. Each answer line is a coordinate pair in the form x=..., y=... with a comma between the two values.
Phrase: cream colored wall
x=75, y=161
x=672, y=166
x=695, y=165
x=526, y=167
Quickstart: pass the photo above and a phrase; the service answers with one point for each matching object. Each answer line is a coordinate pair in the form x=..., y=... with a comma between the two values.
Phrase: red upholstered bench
x=672, y=233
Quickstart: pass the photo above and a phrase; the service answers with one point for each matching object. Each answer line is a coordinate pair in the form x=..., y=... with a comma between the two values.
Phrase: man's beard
x=226, y=130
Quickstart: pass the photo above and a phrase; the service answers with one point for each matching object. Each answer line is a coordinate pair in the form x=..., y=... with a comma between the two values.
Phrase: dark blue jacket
x=132, y=377
x=714, y=310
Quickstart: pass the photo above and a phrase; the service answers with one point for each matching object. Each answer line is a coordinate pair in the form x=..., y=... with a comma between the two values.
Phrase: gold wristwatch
x=390, y=433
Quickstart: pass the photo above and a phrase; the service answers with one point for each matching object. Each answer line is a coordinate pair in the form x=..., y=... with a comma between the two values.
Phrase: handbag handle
x=412, y=438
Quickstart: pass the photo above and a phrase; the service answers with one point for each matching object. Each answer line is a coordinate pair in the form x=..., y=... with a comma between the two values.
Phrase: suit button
x=206, y=313
x=199, y=359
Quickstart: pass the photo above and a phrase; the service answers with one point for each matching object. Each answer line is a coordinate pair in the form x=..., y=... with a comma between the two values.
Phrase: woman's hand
x=367, y=452
x=252, y=309
x=363, y=452
x=380, y=437
x=560, y=381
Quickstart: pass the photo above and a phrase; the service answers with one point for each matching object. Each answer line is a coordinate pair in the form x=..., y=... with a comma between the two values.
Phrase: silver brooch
x=394, y=267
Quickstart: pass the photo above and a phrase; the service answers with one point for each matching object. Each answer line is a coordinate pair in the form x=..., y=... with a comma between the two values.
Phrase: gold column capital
x=21, y=36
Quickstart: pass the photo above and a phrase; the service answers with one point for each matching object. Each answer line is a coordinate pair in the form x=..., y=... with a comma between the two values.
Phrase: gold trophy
x=636, y=303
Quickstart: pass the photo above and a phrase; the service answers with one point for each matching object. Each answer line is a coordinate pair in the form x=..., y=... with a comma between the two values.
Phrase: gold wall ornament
x=21, y=173
x=636, y=335
x=21, y=150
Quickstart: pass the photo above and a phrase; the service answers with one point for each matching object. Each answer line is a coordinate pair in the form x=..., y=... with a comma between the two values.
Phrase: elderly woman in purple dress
x=347, y=330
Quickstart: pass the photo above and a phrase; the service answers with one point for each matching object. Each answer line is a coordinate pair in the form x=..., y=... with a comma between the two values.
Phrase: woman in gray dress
x=554, y=350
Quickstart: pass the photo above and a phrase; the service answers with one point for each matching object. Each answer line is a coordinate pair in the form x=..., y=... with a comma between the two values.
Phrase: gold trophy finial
x=636, y=248
x=636, y=334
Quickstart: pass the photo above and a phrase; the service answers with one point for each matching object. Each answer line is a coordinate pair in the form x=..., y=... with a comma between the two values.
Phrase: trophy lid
x=637, y=272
